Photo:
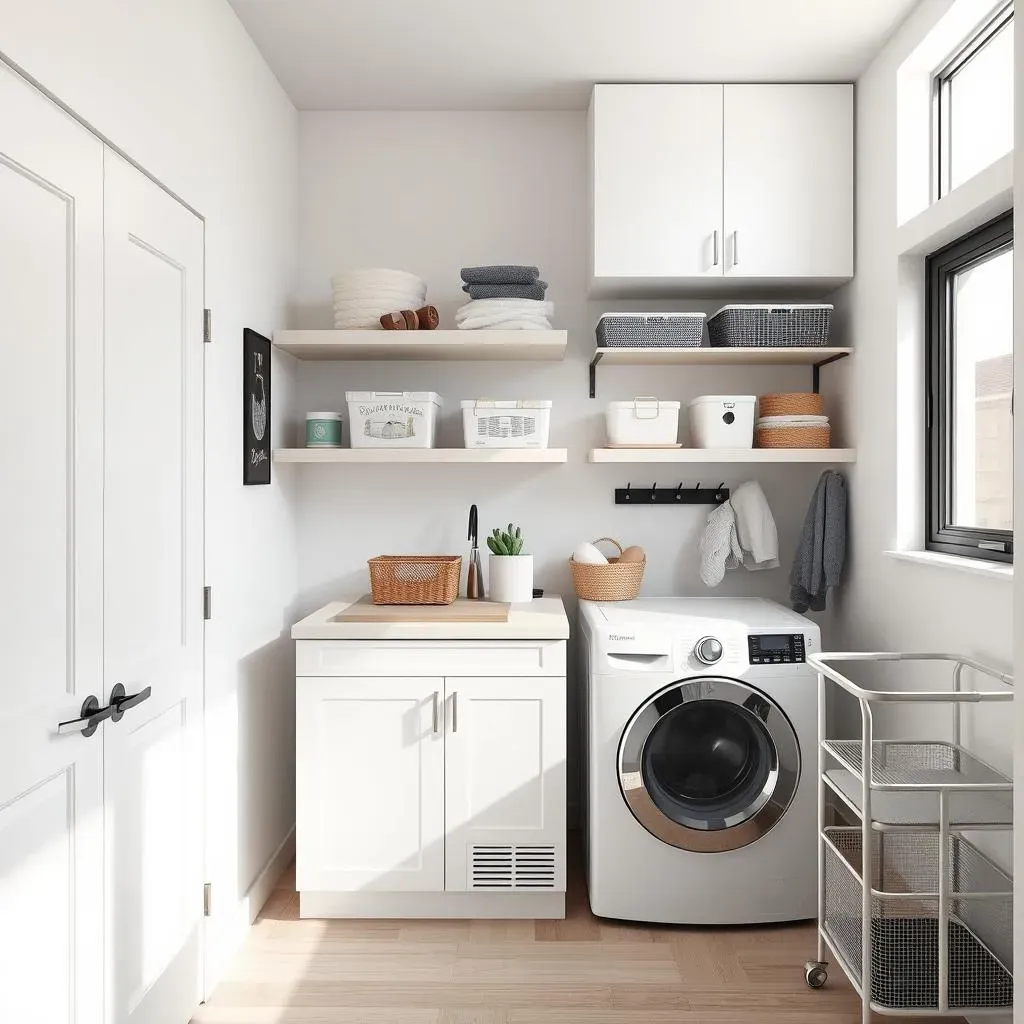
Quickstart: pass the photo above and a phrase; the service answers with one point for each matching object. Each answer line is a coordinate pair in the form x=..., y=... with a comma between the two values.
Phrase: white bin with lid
x=393, y=419
x=722, y=421
x=642, y=421
x=487, y=423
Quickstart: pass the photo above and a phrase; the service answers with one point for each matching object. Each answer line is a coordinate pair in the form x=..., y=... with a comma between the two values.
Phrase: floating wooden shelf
x=494, y=346
x=812, y=356
x=716, y=456
x=358, y=456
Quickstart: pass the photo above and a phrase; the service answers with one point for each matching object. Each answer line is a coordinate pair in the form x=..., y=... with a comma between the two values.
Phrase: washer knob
x=708, y=650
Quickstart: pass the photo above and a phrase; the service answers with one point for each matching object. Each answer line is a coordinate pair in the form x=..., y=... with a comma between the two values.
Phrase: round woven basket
x=616, y=581
x=793, y=437
x=791, y=403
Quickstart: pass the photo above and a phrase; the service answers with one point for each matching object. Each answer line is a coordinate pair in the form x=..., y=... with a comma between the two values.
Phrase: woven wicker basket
x=616, y=581
x=415, y=579
x=791, y=403
x=793, y=437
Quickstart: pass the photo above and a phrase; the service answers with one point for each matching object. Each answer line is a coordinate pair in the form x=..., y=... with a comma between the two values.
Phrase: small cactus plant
x=506, y=542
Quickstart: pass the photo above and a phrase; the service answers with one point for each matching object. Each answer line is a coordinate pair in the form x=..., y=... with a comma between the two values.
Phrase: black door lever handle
x=89, y=721
x=121, y=701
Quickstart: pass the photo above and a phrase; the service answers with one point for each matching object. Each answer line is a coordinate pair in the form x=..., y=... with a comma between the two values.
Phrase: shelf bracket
x=593, y=373
x=816, y=372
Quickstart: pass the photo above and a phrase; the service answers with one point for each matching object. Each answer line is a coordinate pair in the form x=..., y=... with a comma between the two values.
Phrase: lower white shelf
x=357, y=456
x=716, y=456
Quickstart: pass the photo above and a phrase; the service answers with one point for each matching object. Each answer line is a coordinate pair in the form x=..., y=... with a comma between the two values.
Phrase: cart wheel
x=815, y=973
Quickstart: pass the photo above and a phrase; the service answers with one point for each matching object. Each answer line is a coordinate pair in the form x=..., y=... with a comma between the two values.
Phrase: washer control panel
x=776, y=648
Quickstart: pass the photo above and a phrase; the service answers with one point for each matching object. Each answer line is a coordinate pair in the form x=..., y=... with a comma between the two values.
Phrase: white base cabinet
x=430, y=796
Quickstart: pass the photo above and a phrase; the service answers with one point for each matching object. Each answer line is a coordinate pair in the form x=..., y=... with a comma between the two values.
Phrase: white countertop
x=541, y=619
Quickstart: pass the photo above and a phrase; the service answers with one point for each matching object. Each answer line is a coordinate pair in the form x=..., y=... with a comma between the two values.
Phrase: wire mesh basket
x=651, y=330
x=770, y=326
x=904, y=922
x=916, y=763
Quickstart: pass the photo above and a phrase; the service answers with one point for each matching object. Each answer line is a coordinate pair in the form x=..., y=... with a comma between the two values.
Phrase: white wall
x=179, y=86
x=430, y=193
x=889, y=604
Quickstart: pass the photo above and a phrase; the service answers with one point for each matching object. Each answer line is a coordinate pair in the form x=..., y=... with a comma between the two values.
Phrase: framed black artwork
x=255, y=408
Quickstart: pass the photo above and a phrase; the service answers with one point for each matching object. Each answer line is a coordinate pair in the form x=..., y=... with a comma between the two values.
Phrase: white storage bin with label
x=642, y=423
x=500, y=424
x=393, y=419
x=722, y=421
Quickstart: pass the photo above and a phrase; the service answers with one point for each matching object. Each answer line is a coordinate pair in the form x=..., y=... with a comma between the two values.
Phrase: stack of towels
x=504, y=298
x=362, y=296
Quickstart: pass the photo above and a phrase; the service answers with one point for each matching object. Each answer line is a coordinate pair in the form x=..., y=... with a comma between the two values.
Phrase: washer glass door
x=709, y=764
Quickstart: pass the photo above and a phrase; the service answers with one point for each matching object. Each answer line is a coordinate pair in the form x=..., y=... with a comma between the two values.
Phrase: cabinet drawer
x=434, y=658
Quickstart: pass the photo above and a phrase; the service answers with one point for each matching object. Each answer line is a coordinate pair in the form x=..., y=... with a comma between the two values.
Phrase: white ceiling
x=546, y=54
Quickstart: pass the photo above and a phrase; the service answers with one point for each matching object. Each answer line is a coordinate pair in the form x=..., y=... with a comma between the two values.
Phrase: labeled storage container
x=642, y=423
x=770, y=326
x=323, y=429
x=722, y=421
x=499, y=424
x=393, y=419
x=651, y=330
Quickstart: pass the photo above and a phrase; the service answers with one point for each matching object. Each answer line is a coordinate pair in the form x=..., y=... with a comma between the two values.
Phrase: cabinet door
x=369, y=784
x=657, y=180
x=789, y=181
x=505, y=784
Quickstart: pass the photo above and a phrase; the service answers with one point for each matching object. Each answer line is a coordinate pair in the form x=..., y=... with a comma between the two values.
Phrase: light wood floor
x=582, y=970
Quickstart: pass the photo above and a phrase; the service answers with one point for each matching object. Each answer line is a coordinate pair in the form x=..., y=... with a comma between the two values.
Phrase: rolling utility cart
x=919, y=919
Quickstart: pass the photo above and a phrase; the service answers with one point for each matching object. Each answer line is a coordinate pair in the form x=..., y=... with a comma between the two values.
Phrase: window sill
x=975, y=566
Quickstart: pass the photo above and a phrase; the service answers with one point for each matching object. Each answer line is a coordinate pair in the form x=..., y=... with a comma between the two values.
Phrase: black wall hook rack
x=655, y=495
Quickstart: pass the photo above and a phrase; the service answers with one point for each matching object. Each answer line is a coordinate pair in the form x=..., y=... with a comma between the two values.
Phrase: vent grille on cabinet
x=512, y=867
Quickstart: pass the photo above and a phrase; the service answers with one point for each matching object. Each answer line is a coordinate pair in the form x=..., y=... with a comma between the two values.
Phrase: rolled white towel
x=390, y=299
x=770, y=422
x=381, y=304
x=378, y=275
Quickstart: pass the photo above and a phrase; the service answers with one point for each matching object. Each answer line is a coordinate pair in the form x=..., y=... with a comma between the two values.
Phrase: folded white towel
x=378, y=275
x=370, y=305
x=510, y=307
x=498, y=320
x=509, y=325
x=768, y=422
x=755, y=527
x=719, y=545
x=391, y=300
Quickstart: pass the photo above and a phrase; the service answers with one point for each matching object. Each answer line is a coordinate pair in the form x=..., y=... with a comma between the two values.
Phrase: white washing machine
x=700, y=732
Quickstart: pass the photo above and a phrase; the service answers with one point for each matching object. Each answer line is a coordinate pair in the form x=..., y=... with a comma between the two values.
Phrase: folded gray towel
x=821, y=549
x=504, y=274
x=506, y=291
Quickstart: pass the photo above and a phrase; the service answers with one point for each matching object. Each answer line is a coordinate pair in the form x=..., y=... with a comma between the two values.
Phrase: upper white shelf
x=716, y=456
x=547, y=346
x=814, y=355
x=365, y=456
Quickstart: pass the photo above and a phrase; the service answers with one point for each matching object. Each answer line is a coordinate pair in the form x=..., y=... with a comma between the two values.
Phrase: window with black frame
x=970, y=394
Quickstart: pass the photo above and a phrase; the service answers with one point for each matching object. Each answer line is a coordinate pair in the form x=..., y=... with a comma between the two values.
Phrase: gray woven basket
x=651, y=330
x=770, y=326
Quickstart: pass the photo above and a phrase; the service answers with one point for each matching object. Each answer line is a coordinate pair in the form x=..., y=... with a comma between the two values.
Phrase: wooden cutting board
x=461, y=610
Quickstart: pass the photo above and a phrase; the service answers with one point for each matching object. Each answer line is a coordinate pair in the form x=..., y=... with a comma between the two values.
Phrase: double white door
x=101, y=277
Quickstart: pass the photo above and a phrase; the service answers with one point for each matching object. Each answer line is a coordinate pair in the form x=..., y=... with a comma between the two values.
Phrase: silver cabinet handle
x=435, y=713
x=736, y=248
x=715, y=264
x=455, y=711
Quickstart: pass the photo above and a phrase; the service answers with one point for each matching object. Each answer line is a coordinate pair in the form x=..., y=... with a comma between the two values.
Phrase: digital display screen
x=773, y=643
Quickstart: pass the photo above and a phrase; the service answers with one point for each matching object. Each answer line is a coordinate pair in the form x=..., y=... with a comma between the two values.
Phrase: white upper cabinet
x=789, y=181
x=703, y=188
x=656, y=167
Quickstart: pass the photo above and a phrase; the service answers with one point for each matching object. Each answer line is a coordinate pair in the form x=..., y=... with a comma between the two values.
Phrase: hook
x=654, y=491
x=628, y=495
x=679, y=492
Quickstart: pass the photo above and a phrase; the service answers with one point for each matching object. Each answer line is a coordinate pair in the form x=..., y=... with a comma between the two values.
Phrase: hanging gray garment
x=821, y=549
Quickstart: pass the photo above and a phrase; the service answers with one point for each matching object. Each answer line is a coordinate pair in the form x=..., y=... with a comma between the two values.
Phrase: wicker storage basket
x=791, y=403
x=651, y=330
x=792, y=437
x=616, y=581
x=415, y=579
x=771, y=326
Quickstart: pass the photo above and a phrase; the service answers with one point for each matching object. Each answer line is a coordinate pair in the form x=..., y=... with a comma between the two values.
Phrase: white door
x=505, y=784
x=369, y=784
x=789, y=181
x=153, y=588
x=51, y=449
x=657, y=180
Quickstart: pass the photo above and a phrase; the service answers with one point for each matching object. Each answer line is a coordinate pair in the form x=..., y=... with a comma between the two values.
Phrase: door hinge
x=207, y=326
x=207, y=899
x=207, y=602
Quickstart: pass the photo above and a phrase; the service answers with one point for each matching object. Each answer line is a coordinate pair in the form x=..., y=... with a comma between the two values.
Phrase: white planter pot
x=510, y=578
